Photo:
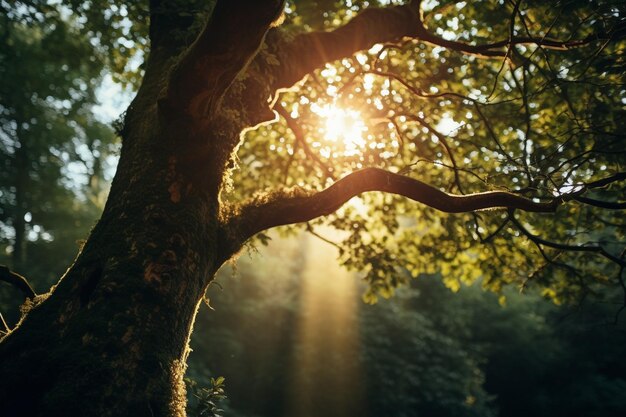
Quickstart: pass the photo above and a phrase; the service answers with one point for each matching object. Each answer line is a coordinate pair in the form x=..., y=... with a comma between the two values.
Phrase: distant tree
x=408, y=356
x=427, y=351
x=514, y=107
x=53, y=152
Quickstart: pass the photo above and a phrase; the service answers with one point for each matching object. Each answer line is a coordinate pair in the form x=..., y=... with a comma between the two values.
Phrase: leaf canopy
x=540, y=122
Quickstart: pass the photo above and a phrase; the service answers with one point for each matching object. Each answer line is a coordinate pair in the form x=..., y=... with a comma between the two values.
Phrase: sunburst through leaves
x=342, y=125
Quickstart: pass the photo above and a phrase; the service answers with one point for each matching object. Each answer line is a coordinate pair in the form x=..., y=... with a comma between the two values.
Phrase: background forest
x=285, y=325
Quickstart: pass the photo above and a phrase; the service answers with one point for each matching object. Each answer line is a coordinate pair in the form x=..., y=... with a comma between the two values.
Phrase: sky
x=113, y=100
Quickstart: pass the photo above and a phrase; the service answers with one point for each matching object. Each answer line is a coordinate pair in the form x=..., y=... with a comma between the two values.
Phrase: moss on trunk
x=111, y=338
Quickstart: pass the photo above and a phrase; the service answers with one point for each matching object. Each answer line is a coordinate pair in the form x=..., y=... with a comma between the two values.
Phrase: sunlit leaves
x=540, y=123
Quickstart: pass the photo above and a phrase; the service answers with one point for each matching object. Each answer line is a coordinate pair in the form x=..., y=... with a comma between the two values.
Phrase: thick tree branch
x=256, y=217
x=309, y=51
x=284, y=208
x=16, y=280
x=230, y=39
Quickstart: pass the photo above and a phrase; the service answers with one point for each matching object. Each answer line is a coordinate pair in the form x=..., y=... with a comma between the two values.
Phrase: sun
x=342, y=125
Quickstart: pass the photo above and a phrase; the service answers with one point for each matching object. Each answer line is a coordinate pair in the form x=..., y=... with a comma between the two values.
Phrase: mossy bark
x=111, y=338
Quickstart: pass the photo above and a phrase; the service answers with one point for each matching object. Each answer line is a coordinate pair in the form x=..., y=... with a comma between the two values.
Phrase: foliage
x=115, y=34
x=206, y=398
x=540, y=123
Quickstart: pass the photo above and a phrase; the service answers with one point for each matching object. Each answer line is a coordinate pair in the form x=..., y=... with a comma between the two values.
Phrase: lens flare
x=345, y=126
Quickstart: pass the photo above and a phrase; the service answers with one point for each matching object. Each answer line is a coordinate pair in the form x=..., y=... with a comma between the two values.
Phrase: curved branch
x=609, y=205
x=256, y=217
x=603, y=182
x=306, y=52
x=17, y=280
x=444, y=142
x=564, y=247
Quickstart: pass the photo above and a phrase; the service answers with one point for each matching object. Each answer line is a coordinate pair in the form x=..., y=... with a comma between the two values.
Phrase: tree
x=475, y=107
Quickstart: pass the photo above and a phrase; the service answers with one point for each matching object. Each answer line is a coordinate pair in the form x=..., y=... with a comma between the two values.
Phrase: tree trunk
x=111, y=339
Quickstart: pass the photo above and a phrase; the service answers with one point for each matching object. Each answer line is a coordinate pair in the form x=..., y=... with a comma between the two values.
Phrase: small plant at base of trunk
x=207, y=399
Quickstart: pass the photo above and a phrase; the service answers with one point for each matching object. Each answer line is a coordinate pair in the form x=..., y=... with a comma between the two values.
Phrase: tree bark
x=111, y=338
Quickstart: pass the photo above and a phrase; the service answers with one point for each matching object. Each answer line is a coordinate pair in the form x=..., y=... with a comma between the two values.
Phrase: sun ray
x=329, y=336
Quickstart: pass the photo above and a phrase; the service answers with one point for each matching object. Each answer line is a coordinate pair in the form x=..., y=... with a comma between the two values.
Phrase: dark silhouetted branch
x=610, y=205
x=16, y=280
x=603, y=182
x=565, y=247
x=256, y=217
x=306, y=52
